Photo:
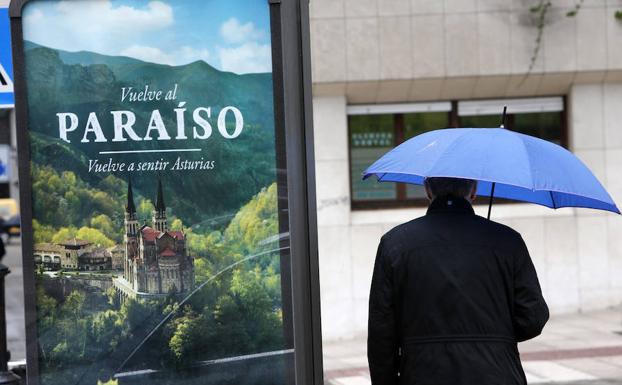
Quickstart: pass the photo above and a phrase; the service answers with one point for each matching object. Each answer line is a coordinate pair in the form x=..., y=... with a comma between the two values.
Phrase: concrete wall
x=380, y=51
x=407, y=50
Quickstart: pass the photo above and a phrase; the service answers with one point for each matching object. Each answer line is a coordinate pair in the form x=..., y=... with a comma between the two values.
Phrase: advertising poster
x=158, y=243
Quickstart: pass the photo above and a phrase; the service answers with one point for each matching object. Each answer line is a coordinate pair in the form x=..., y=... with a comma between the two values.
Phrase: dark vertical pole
x=505, y=109
x=454, y=119
x=4, y=354
x=298, y=124
x=25, y=192
x=492, y=190
x=6, y=377
x=492, y=194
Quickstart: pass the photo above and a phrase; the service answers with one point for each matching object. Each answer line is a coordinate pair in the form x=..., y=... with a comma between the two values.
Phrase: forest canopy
x=238, y=312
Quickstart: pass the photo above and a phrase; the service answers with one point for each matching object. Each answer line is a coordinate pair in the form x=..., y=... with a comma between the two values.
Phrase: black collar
x=450, y=204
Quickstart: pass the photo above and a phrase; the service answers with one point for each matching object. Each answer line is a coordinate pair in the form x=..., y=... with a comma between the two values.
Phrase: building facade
x=156, y=259
x=73, y=255
x=386, y=70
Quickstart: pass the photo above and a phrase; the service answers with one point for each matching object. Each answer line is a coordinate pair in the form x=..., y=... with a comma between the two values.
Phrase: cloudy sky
x=231, y=35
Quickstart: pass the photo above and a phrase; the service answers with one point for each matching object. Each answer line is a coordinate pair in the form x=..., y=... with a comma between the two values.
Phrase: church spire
x=129, y=207
x=131, y=224
x=159, y=206
x=159, y=210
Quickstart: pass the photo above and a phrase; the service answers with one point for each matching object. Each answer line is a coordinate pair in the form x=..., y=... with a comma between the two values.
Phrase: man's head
x=462, y=188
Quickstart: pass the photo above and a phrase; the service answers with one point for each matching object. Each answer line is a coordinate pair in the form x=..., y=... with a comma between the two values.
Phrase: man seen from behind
x=452, y=294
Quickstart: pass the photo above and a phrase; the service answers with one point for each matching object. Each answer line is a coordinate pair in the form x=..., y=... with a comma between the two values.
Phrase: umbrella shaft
x=492, y=194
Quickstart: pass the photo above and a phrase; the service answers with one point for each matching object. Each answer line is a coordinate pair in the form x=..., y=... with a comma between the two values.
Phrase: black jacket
x=452, y=293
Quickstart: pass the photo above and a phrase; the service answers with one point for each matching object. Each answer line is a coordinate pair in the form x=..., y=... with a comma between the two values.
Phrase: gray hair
x=449, y=186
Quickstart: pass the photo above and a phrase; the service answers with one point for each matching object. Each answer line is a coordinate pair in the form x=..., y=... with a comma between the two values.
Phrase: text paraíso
x=125, y=126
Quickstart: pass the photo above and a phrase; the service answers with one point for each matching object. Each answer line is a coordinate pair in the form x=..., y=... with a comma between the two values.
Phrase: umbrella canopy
x=506, y=163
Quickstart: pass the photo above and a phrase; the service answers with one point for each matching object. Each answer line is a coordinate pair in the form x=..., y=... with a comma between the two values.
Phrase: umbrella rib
x=530, y=164
x=486, y=164
x=553, y=200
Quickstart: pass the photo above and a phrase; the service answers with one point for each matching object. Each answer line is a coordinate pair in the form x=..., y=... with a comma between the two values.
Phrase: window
x=375, y=129
x=370, y=137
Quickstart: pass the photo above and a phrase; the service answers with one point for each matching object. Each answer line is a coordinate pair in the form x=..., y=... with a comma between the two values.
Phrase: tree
x=94, y=236
x=106, y=329
x=246, y=320
x=64, y=234
x=41, y=232
x=256, y=224
x=104, y=224
x=177, y=225
x=74, y=304
x=144, y=209
x=189, y=339
x=135, y=314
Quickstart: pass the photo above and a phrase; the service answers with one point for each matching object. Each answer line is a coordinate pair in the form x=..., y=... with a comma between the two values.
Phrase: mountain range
x=87, y=82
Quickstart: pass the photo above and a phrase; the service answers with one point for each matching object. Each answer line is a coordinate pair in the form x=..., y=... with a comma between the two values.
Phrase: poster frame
x=291, y=58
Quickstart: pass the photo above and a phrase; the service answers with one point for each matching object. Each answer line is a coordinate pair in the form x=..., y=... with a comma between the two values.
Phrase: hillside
x=85, y=82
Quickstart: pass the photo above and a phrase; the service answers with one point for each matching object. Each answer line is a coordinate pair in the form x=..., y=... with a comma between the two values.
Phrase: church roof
x=176, y=234
x=151, y=234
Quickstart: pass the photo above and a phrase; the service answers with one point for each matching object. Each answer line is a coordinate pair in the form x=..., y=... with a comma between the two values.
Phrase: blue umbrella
x=507, y=164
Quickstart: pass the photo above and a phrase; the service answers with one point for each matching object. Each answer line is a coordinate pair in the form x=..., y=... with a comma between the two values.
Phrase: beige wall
x=407, y=50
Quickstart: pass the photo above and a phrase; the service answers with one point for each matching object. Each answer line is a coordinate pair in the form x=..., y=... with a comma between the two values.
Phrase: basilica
x=156, y=260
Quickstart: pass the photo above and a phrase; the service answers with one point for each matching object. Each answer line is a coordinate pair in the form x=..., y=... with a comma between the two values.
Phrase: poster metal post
x=295, y=66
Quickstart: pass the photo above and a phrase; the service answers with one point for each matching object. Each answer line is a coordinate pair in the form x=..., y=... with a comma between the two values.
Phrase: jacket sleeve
x=382, y=338
x=530, y=310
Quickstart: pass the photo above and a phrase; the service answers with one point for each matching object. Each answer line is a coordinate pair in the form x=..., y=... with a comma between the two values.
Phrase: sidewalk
x=580, y=349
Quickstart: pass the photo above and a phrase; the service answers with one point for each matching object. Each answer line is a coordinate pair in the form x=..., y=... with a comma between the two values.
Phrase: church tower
x=131, y=222
x=159, y=211
x=131, y=233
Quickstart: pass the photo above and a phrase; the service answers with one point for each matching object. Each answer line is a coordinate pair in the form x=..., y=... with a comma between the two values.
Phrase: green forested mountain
x=85, y=82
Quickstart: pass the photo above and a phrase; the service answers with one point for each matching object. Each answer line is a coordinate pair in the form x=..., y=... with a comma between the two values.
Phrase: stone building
x=94, y=259
x=73, y=254
x=386, y=70
x=117, y=252
x=48, y=256
x=156, y=259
